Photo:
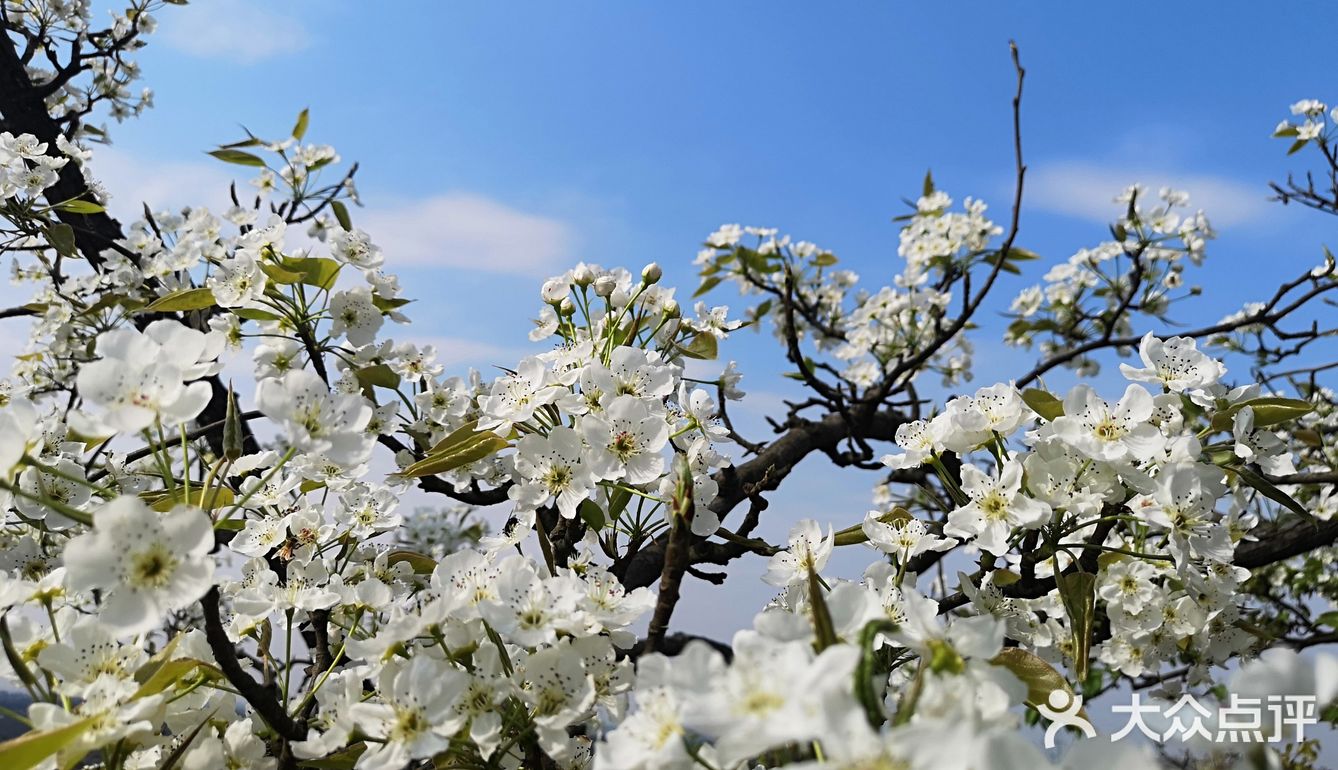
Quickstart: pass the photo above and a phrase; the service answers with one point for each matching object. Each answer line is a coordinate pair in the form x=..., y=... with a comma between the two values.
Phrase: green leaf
x=341, y=214
x=164, y=500
x=28, y=750
x=1269, y=411
x=173, y=671
x=1040, y=677
x=80, y=207
x=238, y=157
x=618, y=500
x=1329, y=619
x=1019, y=254
x=825, y=260
x=463, y=447
x=279, y=274
x=592, y=514
x=1078, y=592
x=107, y=301
x=1286, y=131
x=380, y=375
x=181, y=301
x=251, y=142
x=824, y=630
x=252, y=314
x=320, y=272
x=707, y=285
x=704, y=346
x=61, y=237
x=300, y=129
x=1309, y=436
x=1267, y=489
x=1043, y=403
x=421, y=564
x=1006, y=265
x=455, y=438
x=1297, y=145
x=928, y=188
x=387, y=304
x=854, y=534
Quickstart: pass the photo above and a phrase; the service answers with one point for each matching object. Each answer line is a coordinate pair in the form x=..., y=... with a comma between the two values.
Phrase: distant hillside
x=14, y=701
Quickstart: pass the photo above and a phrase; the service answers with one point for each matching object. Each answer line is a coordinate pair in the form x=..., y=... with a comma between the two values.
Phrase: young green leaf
x=300, y=128
x=1077, y=590
x=1043, y=403
x=182, y=301
x=80, y=207
x=28, y=750
x=1040, y=677
x=238, y=157
x=61, y=237
x=341, y=214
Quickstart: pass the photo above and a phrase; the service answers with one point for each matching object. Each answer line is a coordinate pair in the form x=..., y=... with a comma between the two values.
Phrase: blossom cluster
x=1141, y=270
x=186, y=580
x=864, y=330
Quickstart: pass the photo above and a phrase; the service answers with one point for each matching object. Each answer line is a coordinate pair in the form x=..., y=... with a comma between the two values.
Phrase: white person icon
x=1064, y=710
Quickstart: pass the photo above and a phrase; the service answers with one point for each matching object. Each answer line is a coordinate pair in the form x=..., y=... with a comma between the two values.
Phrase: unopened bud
x=582, y=275
x=555, y=290
x=232, y=429
x=671, y=309
x=651, y=274
x=566, y=307
x=604, y=285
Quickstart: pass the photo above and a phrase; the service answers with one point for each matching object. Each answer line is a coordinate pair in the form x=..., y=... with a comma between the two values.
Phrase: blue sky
x=501, y=142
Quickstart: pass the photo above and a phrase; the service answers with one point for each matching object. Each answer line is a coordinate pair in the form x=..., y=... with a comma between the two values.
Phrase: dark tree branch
x=265, y=701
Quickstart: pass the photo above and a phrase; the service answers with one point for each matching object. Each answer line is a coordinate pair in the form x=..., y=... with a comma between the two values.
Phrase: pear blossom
x=1175, y=363
x=239, y=746
x=920, y=439
x=553, y=470
x=316, y=419
x=904, y=538
x=355, y=248
x=1107, y=432
x=996, y=506
x=515, y=398
x=415, y=716
x=238, y=282
x=146, y=564
x=808, y=551
x=354, y=316
x=141, y=377
x=626, y=441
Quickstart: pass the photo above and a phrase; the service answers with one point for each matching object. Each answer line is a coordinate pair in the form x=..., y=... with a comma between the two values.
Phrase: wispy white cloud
x=241, y=31
x=1086, y=190
x=468, y=231
x=134, y=181
x=457, y=229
